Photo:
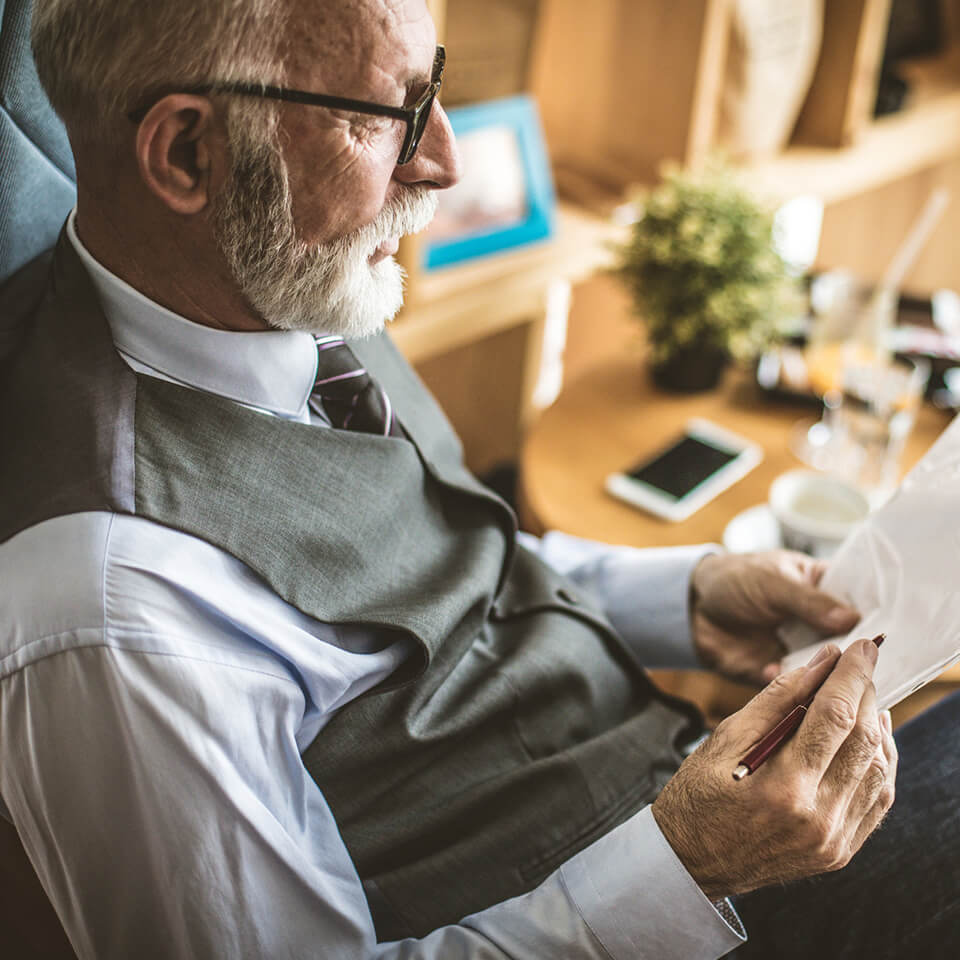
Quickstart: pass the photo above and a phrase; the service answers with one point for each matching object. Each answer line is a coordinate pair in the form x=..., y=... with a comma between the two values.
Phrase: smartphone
x=691, y=471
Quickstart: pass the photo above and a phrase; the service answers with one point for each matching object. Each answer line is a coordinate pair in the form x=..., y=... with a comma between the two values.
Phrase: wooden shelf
x=610, y=128
x=458, y=305
x=892, y=148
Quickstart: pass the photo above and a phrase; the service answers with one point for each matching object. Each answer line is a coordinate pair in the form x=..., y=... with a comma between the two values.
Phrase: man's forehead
x=351, y=38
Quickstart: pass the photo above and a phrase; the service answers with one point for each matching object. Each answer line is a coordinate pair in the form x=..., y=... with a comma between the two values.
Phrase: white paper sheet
x=901, y=570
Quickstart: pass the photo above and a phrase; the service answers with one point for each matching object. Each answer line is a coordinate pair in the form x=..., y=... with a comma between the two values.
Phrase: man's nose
x=437, y=160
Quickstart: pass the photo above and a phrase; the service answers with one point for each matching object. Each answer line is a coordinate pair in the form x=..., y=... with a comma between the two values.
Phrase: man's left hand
x=739, y=600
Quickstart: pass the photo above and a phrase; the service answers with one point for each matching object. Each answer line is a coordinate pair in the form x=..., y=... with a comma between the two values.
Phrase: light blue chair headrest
x=36, y=166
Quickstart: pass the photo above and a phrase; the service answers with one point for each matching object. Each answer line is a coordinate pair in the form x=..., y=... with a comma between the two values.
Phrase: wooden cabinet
x=624, y=85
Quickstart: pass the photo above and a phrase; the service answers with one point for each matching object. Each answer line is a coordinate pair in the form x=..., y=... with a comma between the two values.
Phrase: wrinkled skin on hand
x=810, y=806
x=739, y=600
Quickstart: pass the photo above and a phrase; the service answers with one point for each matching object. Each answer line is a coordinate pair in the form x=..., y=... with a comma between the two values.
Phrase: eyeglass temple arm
x=300, y=96
x=290, y=96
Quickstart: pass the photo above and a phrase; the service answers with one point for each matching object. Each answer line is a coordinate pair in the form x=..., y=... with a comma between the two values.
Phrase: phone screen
x=682, y=467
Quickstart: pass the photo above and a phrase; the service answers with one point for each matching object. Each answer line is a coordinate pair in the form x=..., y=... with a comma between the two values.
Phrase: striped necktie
x=349, y=396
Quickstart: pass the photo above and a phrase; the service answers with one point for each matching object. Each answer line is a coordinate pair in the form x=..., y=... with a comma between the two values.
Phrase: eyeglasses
x=415, y=117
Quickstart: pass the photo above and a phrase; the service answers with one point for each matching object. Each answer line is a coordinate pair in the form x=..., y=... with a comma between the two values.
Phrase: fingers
x=871, y=813
x=776, y=826
x=802, y=598
x=834, y=712
x=859, y=767
x=767, y=588
x=780, y=696
x=740, y=654
x=770, y=671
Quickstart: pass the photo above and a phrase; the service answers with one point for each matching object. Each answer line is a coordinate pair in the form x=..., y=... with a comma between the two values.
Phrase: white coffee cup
x=815, y=512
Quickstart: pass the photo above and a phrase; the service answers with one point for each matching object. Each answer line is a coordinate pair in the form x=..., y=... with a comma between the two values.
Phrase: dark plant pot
x=691, y=370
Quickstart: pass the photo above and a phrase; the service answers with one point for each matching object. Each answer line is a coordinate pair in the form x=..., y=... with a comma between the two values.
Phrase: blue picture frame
x=520, y=114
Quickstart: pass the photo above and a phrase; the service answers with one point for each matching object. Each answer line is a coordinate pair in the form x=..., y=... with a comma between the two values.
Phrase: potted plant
x=705, y=277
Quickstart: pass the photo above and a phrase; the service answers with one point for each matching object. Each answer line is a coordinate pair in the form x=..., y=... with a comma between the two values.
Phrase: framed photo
x=506, y=197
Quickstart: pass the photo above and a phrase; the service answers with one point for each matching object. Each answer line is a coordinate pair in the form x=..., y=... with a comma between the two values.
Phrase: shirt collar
x=270, y=369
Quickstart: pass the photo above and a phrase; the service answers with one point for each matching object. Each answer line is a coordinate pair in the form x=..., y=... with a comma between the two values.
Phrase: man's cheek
x=345, y=200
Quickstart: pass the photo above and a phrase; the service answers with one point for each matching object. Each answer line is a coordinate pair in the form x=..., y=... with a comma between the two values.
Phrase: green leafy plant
x=702, y=267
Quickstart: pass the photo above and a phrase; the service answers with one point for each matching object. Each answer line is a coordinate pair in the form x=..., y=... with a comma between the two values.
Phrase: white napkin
x=901, y=570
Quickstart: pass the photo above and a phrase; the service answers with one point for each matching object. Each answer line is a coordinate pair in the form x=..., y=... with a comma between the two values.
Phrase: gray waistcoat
x=517, y=734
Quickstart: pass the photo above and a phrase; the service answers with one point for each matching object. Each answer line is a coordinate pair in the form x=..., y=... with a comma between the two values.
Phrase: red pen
x=780, y=733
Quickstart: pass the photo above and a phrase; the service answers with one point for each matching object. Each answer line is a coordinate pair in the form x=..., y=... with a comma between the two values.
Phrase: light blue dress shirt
x=155, y=697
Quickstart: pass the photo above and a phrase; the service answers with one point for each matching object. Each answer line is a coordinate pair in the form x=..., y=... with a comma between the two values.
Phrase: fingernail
x=822, y=654
x=869, y=649
x=886, y=720
x=840, y=618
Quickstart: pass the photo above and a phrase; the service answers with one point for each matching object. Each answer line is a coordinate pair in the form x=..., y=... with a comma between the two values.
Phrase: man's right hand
x=810, y=806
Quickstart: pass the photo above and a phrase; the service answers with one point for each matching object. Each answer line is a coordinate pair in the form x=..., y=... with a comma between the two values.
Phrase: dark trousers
x=899, y=898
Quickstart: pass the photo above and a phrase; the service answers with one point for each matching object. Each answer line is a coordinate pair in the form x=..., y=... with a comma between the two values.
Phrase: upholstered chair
x=36, y=193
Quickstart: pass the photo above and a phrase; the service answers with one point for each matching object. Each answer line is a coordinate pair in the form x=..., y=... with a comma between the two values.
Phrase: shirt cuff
x=644, y=592
x=639, y=900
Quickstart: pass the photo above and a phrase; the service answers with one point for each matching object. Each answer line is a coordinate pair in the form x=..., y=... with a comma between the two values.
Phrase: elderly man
x=277, y=678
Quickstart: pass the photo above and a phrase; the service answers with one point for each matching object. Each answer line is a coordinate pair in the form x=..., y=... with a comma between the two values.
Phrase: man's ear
x=175, y=148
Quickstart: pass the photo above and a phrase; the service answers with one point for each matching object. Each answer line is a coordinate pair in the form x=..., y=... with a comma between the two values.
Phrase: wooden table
x=612, y=417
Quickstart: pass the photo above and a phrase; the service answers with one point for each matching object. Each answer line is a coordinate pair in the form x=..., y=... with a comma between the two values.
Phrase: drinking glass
x=870, y=397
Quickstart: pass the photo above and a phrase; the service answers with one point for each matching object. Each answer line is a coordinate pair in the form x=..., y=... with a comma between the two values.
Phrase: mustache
x=410, y=211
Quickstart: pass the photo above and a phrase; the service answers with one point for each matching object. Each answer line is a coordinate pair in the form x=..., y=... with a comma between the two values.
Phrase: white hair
x=100, y=59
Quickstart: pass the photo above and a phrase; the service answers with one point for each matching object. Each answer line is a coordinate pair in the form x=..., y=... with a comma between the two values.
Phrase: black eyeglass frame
x=415, y=117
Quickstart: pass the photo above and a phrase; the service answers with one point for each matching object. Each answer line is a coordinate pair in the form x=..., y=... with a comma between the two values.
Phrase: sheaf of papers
x=901, y=570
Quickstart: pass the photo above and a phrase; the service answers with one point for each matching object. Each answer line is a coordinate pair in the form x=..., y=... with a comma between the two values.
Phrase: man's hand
x=808, y=808
x=738, y=601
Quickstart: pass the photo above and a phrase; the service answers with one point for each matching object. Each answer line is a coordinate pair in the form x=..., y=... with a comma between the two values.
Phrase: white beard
x=325, y=288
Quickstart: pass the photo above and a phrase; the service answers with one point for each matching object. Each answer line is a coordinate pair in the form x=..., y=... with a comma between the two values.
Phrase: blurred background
x=855, y=102
x=748, y=214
